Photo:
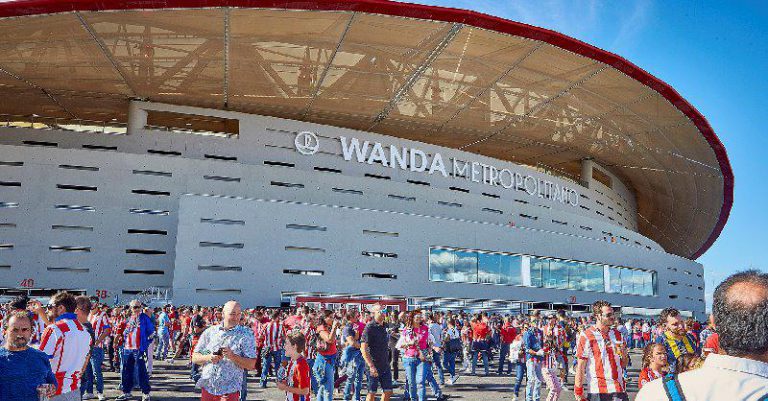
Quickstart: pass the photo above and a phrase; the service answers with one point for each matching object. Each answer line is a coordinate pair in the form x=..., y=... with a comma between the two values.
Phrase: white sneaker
x=100, y=396
x=124, y=396
x=145, y=397
x=514, y=397
x=454, y=379
x=87, y=396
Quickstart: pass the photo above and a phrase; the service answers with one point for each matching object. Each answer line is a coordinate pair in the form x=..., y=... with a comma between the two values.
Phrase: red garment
x=713, y=343
x=604, y=371
x=331, y=350
x=206, y=396
x=647, y=375
x=480, y=331
x=508, y=334
x=298, y=377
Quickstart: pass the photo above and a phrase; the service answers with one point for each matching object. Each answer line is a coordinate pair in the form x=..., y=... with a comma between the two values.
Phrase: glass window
x=615, y=284
x=557, y=275
x=489, y=269
x=576, y=275
x=441, y=263
x=465, y=267
x=593, y=278
x=512, y=268
x=538, y=267
x=626, y=281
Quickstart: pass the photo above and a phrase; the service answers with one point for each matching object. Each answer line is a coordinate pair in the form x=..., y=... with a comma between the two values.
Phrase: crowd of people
x=59, y=351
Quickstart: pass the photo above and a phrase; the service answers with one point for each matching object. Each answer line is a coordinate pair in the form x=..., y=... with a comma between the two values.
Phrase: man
x=602, y=357
x=374, y=345
x=36, y=314
x=163, y=333
x=272, y=337
x=436, y=331
x=67, y=343
x=23, y=369
x=740, y=309
x=82, y=310
x=507, y=334
x=533, y=342
x=481, y=334
x=675, y=339
x=225, y=351
x=101, y=329
x=136, y=339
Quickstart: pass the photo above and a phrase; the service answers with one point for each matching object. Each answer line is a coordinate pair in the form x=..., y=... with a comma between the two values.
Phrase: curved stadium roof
x=448, y=77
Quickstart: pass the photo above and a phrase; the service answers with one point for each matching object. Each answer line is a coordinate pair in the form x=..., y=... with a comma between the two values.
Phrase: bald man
x=740, y=310
x=225, y=352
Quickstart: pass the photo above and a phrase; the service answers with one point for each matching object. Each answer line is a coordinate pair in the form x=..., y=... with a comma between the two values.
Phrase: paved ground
x=171, y=382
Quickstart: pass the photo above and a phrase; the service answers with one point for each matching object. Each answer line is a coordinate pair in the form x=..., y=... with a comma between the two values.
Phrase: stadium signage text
x=416, y=160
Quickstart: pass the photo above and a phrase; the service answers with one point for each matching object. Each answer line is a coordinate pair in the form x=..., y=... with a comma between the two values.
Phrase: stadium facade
x=344, y=153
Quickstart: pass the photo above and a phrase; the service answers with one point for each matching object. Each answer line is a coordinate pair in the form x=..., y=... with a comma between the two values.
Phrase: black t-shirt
x=89, y=328
x=375, y=335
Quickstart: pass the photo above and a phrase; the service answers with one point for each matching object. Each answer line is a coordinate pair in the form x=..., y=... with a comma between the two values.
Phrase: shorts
x=608, y=397
x=384, y=380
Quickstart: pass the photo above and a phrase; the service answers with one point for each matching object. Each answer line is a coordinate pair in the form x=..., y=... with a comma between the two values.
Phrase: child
x=296, y=380
x=654, y=364
x=550, y=370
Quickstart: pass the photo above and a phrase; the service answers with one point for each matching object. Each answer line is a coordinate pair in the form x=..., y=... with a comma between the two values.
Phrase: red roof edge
x=386, y=7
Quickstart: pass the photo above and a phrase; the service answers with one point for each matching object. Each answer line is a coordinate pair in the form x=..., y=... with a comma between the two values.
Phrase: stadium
x=343, y=153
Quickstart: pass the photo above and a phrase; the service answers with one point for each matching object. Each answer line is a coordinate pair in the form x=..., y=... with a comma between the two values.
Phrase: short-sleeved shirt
x=331, y=349
x=350, y=330
x=480, y=331
x=67, y=343
x=677, y=347
x=163, y=322
x=21, y=372
x=225, y=377
x=298, y=377
x=375, y=335
x=605, y=374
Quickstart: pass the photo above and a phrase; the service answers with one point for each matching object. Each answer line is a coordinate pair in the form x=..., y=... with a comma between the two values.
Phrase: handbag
x=453, y=346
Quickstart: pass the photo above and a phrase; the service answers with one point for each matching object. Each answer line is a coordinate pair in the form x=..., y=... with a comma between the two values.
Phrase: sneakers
x=442, y=397
x=100, y=396
x=145, y=397
x=124, y=397
x=454, y=379
x=514, y=397
x=87, y=396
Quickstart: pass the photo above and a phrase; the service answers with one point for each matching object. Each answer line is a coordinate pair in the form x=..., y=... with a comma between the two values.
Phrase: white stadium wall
x=120, y=213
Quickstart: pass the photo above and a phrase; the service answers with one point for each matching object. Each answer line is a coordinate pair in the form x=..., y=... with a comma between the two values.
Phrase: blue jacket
x=146, y=329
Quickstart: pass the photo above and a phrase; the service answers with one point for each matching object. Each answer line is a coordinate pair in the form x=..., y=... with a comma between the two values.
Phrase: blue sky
x=715, y=54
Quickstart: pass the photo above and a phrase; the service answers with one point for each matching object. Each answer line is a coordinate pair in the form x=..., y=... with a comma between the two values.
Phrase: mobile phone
x=219, y=352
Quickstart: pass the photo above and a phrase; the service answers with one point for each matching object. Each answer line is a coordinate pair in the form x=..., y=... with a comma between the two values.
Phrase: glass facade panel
x=465, y=267
x=489, y=269
x=468, y=266
x=512, y=268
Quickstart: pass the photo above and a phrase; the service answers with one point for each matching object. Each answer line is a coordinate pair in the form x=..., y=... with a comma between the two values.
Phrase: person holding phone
x=225, y=350
x=326, y=355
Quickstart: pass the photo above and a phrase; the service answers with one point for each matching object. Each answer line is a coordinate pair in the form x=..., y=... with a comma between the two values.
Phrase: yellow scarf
x=673, y=344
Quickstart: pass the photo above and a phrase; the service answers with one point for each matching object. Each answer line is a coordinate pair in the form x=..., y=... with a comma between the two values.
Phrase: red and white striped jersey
x=67, y=343
x=272, y=335
x=38, y=326
x=604, y=371
x=100, y=323
x=132, y=333
x=310, y=334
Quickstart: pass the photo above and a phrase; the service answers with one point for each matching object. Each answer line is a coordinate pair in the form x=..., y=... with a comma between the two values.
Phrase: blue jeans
x=93, y=373
x=271, y=358
x=429, y=378
x=133, y=358
x=449, y=362
x=355, y=370
x=312, y=380
x=244, y=388
x=323, y=371
x=410, y=366
x=520, y=371
x=535, y=378
x=438, y=362
x=503, y=353
x=484, y=355
x=163, y=344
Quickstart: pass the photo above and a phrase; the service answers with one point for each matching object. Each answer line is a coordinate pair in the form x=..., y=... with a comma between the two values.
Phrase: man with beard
x=67, y=343
x=675, y=339
x=23, y=369
x=602, y=355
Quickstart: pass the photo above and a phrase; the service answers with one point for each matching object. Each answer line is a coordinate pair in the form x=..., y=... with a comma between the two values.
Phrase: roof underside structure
x=447, y=77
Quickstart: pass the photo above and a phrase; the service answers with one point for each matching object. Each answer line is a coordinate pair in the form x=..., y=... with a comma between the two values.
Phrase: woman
x=466, y=340
x=325, y=361
x=452, y=344
x=655, y=364
x=517, y=357
x=551, y=368
x=416, y=345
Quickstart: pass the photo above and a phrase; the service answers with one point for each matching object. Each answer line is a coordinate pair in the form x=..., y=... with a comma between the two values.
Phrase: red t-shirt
x=331, y=350
x=647, y=375
x=298, y=377
x=480, y=331
x=508, y=334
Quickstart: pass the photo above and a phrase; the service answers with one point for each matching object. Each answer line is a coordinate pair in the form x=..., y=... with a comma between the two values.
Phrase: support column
x=586, y=171
x=137, y=118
